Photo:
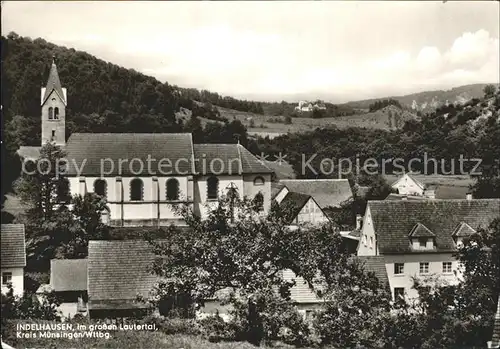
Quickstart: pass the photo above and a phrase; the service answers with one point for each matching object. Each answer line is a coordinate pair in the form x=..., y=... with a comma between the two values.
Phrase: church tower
x=53, y=102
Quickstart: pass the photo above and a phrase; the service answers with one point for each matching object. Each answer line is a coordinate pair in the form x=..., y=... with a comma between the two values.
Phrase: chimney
x=359, y=221
x=468, y=196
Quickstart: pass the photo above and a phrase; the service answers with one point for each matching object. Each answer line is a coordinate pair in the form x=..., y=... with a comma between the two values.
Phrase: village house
x=408, y=185
x=419, y=238
x=143, y=177
x=68, y=279
x=13, y=257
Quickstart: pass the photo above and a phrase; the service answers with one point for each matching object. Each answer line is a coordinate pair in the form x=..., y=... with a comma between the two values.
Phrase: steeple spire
x=53, y=83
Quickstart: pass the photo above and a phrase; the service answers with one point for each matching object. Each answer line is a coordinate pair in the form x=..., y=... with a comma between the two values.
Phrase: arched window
x=212, y=188
x=100, y=187
x=136, y=189
x=51, y=113
x=63, y=194
x=56, y=113
x=258, y=181
x=172, y=189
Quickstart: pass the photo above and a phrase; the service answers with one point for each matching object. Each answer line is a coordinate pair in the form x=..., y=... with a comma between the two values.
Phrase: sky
x=333, y=50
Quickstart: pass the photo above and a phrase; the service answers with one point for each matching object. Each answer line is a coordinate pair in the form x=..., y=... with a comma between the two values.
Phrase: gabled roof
x=294, y=202
x=13, y=246
x=53, y=84
x=392, y=220
x=227, y=159
x=276, y=188
x=119, y=271
x=68, y=274
x=168, y=153
x=421, y=231
x=326, y=192
x=417, y=182
x=376, y=265
x=463, y=230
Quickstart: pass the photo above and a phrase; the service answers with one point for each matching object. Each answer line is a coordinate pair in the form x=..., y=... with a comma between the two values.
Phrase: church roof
x=53, y=83
x=227, y=159
x=168, y=154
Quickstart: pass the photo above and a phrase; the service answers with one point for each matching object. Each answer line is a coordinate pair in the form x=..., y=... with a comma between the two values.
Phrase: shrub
x=173, y=325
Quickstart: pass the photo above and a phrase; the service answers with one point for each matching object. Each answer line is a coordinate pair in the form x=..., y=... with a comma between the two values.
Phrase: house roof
x=276, y=187
x=282, y=169
x=168, y=153
x=417, y=182
x=294, y=202
x=393, y=220
x=227, y=159
x=53, y=84
x=495, y=337
x=68, y=274
x=326, y=192
x=421, y=231
x=376, y=265
x=119, y=271
x=13, y=246
x=463, y=230
x=394, y=196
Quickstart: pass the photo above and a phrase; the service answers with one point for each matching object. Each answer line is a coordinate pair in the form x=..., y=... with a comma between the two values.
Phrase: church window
x=258, y=181
x=172, y=189
x=212, y=188
x=53, y=134
x=51, y=113
x=136, y=190
x=100, y=187
x=56, y=113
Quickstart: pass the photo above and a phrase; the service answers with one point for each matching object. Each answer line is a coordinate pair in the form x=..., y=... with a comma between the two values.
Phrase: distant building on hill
x=305, y=106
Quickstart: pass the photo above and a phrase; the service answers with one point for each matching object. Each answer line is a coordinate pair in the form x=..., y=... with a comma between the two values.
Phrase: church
x=144, y=176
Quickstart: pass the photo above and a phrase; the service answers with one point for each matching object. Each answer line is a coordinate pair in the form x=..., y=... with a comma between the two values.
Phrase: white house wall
x=17, y=280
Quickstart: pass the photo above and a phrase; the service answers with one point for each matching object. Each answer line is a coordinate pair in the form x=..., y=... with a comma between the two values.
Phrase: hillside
x=429, y=100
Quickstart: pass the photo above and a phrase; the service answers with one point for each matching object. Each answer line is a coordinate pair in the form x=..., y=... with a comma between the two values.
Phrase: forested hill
x=94, y=86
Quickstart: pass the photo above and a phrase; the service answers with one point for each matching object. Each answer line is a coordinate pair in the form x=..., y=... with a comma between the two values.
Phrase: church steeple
x=53, y=83
x=53, y=102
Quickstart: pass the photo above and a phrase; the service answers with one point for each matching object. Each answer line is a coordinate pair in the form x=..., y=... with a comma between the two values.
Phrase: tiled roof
x=294, y=202
x=326, y=192
x=227, y=159
x=282, y=169
x=119, y=271
x=463, y=230
x=168, y=153
x=13, y=246
x=392, y=220
x=68, y=274
x=495, y=337
x=53, y=83
x=300, y=292
x=394, y=196
x=276, y=188
x=421, y=231
x=417, y=182
x=376, y=265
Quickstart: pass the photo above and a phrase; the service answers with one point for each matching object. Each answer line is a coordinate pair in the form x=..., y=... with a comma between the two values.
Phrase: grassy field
x=263, y=124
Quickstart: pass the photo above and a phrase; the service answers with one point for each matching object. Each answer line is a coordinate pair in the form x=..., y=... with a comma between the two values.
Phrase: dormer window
x=421, y=237
x=463, y=230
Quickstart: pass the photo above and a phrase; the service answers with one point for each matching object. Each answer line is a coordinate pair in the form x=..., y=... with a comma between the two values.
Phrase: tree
x=238, y=261
x=42, y=187
x=489, y=91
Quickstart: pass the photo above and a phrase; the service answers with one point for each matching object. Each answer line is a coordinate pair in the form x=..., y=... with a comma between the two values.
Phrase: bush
x=216, y=329
x=173, y=325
